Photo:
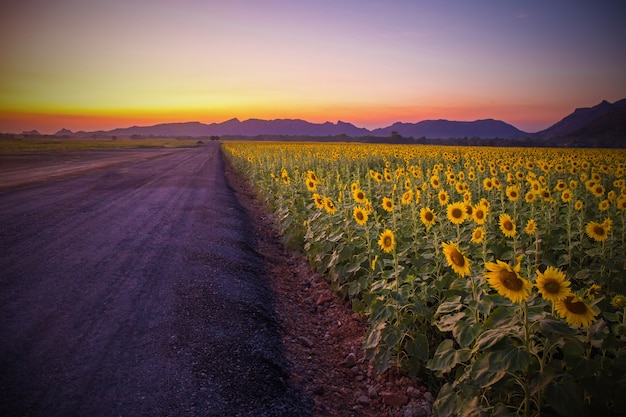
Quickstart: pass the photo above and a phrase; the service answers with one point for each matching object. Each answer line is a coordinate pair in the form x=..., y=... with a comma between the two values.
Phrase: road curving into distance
x=136, y=290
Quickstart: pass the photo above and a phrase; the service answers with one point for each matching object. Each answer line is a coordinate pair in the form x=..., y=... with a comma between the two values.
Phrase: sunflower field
x=498, y=272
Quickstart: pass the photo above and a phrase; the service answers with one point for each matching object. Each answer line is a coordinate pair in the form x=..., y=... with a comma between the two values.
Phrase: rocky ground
x=322, y=336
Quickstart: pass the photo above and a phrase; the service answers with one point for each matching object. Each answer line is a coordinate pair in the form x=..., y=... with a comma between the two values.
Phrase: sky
x=98, y=65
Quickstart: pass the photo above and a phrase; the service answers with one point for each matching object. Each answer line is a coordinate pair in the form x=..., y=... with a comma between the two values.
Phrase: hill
x=250, y=127
x=445, y=129
x=579, y=118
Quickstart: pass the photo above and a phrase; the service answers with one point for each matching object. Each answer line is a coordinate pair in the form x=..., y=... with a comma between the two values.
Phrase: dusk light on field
x=89, y=65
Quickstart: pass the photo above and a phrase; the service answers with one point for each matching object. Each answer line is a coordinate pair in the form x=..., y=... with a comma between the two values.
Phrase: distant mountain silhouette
x=579, y=118
x=31, y=133
x=250, y=127
x=607, y=131
x=296, y=127
x=444, y=129
x=600, y=125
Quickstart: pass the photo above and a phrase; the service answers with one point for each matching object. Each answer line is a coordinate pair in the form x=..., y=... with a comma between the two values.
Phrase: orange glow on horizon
x=361, y=116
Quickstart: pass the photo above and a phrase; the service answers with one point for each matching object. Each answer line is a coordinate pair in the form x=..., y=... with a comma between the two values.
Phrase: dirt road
x=135, y=290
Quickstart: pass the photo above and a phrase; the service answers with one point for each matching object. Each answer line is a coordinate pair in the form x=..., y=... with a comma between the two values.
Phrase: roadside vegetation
x=27, y=145
x=498, y=274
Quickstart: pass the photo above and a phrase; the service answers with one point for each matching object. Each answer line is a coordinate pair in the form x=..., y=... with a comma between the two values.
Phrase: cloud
x=522, y=15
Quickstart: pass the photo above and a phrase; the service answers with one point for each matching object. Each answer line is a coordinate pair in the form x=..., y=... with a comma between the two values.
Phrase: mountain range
x=605, y=121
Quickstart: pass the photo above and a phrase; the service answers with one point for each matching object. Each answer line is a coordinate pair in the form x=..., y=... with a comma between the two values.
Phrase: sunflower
x=360, y=215
x=488, y=184
x=507, y=281
x=604, y=205
x=480, y=213
x=443, y=197
x=329, y=206
x=311, y=185
x=507, y=225
x=459, y=263
x=407, y=197
x=456, y=212
x=435, y=182
x=427, y=216
x=387, y=241
x=566, y=196
x=552, y=284
x=512, y=192
x=387, y=204
x=530, y=197
x=373, y=265
x=418, y=194
x=619, y=301
x=560, y=185
x=597, y=190
x=597, y=231
x=535, y=186
x=318, y=200
x=593, y=291
x=358, y=195
x=575, y=312
x=621, y=203
x=478, y=235
x=531, y=227
x=311, y=175
x=578, y=205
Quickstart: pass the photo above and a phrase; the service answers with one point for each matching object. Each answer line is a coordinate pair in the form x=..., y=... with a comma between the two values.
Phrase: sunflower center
x=359, y=215
x=507, y=225
x=456, y=213
x=479, y=214
x=428, y=216
x=510, y=280
x=387, y=241
x=576, y=307
x=360, y=196
x=552, y=287
x=457, y=258
x=598, y=230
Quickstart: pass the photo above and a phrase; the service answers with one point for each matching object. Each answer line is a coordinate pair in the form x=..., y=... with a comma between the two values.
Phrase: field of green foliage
x=53, y=145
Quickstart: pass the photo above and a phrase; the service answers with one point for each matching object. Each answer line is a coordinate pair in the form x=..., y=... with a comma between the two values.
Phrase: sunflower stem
x=527, y=347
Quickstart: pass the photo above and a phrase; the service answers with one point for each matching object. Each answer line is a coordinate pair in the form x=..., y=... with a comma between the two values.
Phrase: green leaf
x=486, y=372
x=510, y=357
x=489, y=338
x=374, y=336
x=449, y=306
x=392, y=336
x=541, y=380
x=418, y=347
x=565, y=397
x=446, y=357
x=502, y=316
x=465, y=333
x=550, y=326
x=447, y=323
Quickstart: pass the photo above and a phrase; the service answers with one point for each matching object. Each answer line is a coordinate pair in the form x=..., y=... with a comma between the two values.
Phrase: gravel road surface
x=136, y=290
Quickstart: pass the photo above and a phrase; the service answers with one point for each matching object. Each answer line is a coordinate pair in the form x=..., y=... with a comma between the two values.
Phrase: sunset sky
x=95, y=64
